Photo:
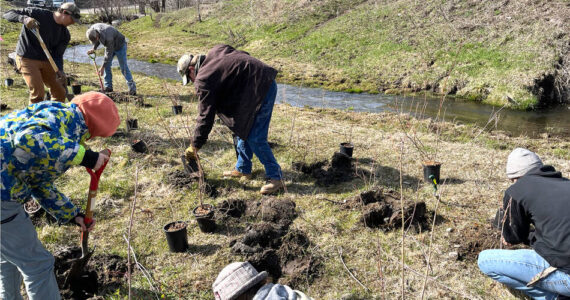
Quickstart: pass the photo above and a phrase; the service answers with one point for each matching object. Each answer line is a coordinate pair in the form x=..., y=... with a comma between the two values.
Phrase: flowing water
x=555, y=121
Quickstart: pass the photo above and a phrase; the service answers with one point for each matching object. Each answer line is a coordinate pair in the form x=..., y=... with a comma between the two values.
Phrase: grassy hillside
x=479, y=50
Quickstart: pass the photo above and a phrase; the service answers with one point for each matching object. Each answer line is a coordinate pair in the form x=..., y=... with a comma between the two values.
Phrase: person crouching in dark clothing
x=539, y=198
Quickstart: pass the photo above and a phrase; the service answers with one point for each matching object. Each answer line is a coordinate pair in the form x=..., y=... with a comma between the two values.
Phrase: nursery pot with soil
x=176, y=236
x=8, y=81
x=132, y=124
x=76, y=89
x=205, y=217
x=139, y=146
x=177, y=109
x=431, y=168
x=346, y=148
x=32, y=207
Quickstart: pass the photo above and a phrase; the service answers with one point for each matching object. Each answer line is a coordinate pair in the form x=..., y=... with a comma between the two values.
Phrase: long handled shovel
x=92, y=56
x=78, y=265
x=48, y=55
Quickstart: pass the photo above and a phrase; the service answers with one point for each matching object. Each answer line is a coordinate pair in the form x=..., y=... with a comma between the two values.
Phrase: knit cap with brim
x=182, y=67
x=235, y=279
x=100, y=113
x=521, y=161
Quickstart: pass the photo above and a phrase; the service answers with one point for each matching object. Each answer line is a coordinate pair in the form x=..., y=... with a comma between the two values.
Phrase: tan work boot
x=236, y=174
x=271, y=187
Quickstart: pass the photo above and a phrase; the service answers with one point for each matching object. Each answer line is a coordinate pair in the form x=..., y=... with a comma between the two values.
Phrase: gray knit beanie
x=521, y=161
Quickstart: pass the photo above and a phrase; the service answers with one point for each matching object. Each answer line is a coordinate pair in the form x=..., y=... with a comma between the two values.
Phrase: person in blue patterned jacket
x=38, y=144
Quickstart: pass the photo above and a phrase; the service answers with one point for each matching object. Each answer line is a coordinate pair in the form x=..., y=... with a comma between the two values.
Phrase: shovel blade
x=77, y=268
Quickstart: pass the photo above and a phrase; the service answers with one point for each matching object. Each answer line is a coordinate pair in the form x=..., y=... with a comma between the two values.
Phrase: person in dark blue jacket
x=536, y=212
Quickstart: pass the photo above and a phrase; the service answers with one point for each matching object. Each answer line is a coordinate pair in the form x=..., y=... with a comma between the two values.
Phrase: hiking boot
x=133, y=93
x=272, y=186
x=108, y=90
x=236, y=174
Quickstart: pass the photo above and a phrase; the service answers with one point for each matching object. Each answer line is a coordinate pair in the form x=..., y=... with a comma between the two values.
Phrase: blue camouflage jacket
x=38, y=144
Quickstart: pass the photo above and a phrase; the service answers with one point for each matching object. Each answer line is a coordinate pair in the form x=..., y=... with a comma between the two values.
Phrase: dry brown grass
x=473, y=182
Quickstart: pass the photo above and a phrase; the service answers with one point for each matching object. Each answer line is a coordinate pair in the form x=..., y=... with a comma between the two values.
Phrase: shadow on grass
x=205, y=250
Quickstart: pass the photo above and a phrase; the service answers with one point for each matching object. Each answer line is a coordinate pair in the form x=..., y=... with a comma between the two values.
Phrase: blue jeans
x=257, y=141
x=515, y=268
x=23, y=256
x=122, y=58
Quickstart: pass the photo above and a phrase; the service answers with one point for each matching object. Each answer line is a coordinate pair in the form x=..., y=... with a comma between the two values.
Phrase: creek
x=554, y=121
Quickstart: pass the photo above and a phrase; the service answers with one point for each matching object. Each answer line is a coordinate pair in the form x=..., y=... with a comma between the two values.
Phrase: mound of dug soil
x=382, y=209
x=181, y=179
x=103, y=274
x=339, y=170
x=124, y=97
x=271, y=246
x=469, y=242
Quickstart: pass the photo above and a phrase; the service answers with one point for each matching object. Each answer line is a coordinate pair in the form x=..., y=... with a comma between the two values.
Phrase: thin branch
x=350, y=273
x=129, y=230
x=403, y=217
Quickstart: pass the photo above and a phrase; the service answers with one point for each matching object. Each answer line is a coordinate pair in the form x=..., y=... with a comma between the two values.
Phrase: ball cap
x=182, y=67
x=73, y=9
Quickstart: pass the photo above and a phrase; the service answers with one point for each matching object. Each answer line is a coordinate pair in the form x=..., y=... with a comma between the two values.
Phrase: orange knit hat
x=100, y=113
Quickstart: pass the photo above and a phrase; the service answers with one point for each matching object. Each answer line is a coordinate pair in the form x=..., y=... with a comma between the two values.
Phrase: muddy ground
x=270, y=244
x=102, y=275
x=340, y=169
x=381, y=208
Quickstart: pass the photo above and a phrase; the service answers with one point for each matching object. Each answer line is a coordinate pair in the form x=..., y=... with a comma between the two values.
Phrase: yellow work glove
x=191, y=153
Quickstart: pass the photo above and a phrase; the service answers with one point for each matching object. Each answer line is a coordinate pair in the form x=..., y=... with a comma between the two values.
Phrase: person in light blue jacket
x=38, y=144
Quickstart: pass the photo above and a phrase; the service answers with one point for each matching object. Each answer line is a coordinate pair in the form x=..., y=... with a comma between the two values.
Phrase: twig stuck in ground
x=134, y=205
x=350, y=273
x=143, y=270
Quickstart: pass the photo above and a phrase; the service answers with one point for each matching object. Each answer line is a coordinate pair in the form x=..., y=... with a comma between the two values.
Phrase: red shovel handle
x=94, y=185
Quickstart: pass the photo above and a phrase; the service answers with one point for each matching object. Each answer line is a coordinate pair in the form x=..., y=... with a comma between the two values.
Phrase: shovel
x=92, y=56
x=48, y=55
x=79, y=264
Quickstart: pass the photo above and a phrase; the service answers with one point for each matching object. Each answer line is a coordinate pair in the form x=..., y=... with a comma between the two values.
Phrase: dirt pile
x=470, y=241
x=272, y=246
x=103, y=274
x=381, y=208
x=125, y=97
x=339, y=170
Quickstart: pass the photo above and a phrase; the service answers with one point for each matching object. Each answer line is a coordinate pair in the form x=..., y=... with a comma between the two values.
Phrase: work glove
x=103, y=157
x=61, y=78
x=191, y=153
x=31, y=23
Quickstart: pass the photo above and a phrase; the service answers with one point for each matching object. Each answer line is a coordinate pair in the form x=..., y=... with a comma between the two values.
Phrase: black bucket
x=431, y=169
x=76, y=89
x=177, y=239
x=346, y=148
x=8, y=82
x=132, y=124
x=139, y=146
x=206, y=222
x=177, y=109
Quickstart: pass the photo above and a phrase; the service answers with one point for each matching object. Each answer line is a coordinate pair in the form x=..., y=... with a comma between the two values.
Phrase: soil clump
x=233, y=207
x=103, y=274
x=381, y=208
x=270, y=245
x=339, y=170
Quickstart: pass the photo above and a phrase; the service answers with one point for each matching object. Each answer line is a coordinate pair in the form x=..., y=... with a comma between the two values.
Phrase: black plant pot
x=176, y=237
x=346, y=148
x=76, y=89
x=431, y=168
x=205, y=220
x=8, y=81
x=139, y=146
x=177, y=109
x=132, y=124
